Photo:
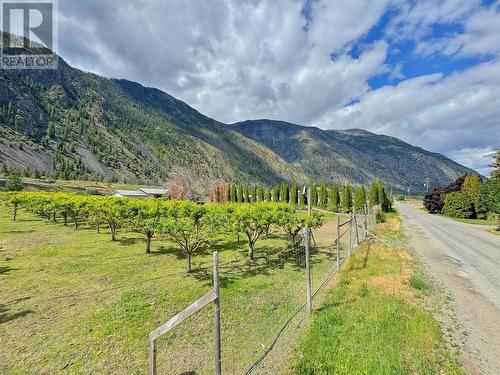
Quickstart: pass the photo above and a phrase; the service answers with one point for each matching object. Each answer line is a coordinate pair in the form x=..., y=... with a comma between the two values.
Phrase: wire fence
x=263, y=307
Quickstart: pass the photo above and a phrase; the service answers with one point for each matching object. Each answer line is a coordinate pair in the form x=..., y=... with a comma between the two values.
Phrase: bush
x=14, y=183
x=459, y=205
x=434, y=200
x=380, y=217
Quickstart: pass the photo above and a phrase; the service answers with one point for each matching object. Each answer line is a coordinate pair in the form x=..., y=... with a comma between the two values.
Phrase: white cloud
x=455, y=115
x=230, y=59
x=240, y=59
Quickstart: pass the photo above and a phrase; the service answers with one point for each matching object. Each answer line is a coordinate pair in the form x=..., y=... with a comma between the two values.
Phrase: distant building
x=129, y=194
x=154, y=192
x=145, y=192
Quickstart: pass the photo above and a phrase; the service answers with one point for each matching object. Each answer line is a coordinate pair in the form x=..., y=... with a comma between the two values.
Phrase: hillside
x=352, y=155
x=71, y=124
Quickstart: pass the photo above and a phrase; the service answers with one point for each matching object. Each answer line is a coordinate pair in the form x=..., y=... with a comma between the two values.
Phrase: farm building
x=154, y=192
x=145, y=192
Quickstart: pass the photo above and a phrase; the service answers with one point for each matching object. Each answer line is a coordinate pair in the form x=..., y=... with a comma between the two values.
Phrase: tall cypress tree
x=267, y=196
x=373, y=195
x=300, y=196
x=359, y=198
x=346, y=199
x=314, y=195
x=293, y=194
x=240, y=194
x=275, y=194
x=233, y=194
x=323, y=196
x=284, y=192
x=335, y=199
x=253, y=194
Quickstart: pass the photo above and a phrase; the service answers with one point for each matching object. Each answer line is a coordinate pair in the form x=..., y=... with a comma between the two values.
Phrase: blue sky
x=425, y=71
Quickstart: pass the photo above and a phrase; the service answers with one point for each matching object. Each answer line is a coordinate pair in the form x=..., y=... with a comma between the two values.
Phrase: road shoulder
x=469, y=320
x=374, y=320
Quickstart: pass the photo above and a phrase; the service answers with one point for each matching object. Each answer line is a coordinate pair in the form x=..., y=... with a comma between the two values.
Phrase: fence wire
x=263, y=307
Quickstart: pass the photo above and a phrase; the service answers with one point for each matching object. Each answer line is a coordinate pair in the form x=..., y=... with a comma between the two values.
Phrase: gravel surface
x=465, y=259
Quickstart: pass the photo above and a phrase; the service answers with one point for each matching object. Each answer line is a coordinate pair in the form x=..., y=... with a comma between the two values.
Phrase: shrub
x=459, y=205
x=14, y=183
x=380, y=217
x=434, y=200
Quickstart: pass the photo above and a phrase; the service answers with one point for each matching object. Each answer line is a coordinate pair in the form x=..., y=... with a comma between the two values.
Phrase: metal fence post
x=338, y=242
x=308, y=260
x=218, y=364
x=350, y=236
x=152, y=358
x=365, y=211
x=356, y=228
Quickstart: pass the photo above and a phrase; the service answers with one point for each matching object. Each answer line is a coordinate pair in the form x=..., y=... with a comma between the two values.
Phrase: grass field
x=473, y=221
x=374, y=322
x=75, y=302
x=32, y=184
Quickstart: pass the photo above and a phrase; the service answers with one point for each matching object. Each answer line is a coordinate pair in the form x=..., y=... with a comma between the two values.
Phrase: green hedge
x=459, y=205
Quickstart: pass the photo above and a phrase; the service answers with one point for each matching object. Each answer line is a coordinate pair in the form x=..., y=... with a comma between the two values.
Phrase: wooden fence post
x=218, y=364
x=338, y=242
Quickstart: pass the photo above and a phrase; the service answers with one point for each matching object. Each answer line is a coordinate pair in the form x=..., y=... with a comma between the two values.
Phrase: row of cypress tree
x=338, y=199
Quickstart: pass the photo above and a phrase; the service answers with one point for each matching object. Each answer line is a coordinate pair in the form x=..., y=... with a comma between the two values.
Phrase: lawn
x=75, y=302
x=373, y=321
x=473, y=221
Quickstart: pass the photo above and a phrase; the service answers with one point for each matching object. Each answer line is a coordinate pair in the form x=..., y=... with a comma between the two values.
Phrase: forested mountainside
x=358, y=155
x=71, y=124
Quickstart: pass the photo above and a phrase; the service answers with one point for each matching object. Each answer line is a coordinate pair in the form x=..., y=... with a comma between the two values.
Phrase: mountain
x=71, y=124
x=352, y=155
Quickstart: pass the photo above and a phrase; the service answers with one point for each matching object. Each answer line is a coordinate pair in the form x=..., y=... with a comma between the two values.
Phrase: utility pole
x=427, y=183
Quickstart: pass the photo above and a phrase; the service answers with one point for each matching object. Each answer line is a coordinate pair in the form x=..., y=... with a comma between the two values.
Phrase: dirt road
x=466, y=260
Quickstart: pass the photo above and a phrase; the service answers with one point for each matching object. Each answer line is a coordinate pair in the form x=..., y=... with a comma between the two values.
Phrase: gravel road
x=466, y=260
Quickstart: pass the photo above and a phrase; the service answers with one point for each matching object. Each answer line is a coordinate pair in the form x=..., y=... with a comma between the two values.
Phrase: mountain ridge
x=72, y=124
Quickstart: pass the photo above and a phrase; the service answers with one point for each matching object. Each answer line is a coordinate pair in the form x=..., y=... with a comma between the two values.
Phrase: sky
x=425, y=71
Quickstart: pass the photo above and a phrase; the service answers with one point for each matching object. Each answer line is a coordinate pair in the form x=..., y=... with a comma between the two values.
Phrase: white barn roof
x=154, y=191
x=129, y=193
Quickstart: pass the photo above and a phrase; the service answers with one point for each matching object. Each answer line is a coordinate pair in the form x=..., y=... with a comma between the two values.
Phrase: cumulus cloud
x=456, y=115
x=293, y=60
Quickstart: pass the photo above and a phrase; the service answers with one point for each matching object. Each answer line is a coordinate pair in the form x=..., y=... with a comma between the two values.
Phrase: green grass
x=76, y=302
x=473, y=221
x=372, y=322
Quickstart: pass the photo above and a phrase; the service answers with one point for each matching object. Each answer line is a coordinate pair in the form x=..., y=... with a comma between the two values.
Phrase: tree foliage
x=359, y=198
x=434, y=200
x=346, y=201
x=322, y=196
x=458, y=204
x=335, y=199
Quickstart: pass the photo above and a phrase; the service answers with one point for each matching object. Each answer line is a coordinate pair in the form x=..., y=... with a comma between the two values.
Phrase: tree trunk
x=189, y=263
x=15, y=213
x=113, y=232
x=54, y=217
x=250, y=251
x=98, y=227
x=148, y=243
x=76, y=222
x=65, y=216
